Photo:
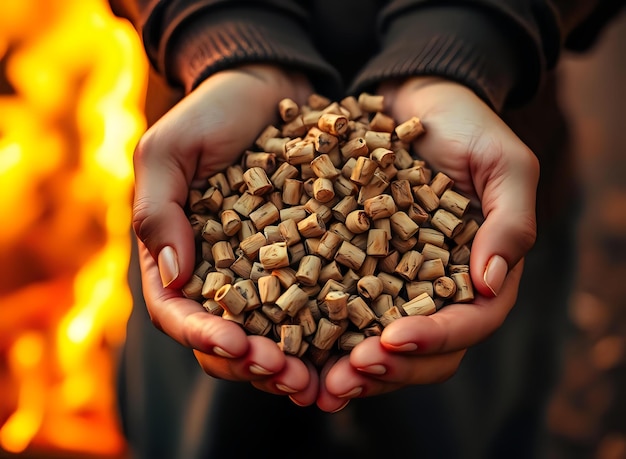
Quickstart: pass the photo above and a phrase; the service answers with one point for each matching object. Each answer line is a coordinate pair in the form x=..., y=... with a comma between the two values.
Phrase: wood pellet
x=329, y=229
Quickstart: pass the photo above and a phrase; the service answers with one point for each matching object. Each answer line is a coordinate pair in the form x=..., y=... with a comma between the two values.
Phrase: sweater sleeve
x=499, y=48
x=188, y=40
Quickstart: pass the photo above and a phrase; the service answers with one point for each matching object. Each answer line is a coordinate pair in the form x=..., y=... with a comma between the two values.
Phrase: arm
x=181, y=36
x=499, y=49
x=464, y=64
x=228, y=102
x=188, y=40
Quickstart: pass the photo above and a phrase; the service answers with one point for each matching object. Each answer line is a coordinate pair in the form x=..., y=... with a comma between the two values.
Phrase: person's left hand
x=468, y=141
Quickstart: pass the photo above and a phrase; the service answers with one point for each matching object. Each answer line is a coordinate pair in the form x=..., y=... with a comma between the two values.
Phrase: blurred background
x=72, y=88
x=72, y=96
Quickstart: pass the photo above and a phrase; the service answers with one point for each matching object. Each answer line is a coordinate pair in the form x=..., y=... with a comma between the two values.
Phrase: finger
x=328, y=401
x=185, y=320
x=509, y=228
x=372, y=359
x=342, y=382
x=263, y=360
x=308, y=396
x=159, y=220
x=456, y=326
x=292, y=379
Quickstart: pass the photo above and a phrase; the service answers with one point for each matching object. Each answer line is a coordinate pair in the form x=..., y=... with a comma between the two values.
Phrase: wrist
x=229, y=37
x=461, y=43
x=281, y=81
x=426, y=89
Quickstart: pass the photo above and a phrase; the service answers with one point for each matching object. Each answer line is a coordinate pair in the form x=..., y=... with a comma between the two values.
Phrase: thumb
x=197, y=137
x=159, y=219
x=509, y=229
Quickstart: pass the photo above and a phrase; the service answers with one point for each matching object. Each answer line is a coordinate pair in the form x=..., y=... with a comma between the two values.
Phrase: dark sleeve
x=499, y=48
x=188, y=40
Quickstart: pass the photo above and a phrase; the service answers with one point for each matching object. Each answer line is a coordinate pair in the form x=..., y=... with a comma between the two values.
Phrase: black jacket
x=500, y=48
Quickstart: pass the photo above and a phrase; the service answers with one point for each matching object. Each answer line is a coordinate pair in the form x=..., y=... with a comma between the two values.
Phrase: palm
x=464, y=138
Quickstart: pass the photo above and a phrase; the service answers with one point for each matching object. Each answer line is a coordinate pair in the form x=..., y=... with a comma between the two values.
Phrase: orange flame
x=71, y=101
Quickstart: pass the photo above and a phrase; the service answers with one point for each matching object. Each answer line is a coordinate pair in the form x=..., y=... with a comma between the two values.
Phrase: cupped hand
x=465, y=139
x=201, y=135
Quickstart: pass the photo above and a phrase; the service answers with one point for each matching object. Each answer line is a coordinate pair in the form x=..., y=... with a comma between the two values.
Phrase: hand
x=205, y=132
x=466, y=140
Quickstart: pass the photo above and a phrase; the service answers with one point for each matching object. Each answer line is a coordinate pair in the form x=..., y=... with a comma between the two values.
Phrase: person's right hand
x=201, y=135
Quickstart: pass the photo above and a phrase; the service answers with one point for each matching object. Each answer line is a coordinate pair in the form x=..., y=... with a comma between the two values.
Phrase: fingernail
x=222, y=353
x=259, y=370
x=406, y=347
x=284, y=388
x=352, y=393
x=168, y=265
x=341, y=407
x=495, y=272
x=374, y=369
x=296, y=401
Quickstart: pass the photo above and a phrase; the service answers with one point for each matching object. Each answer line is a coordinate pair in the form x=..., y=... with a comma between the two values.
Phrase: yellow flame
x=10, y=157
x=79, y=78
x=25, y=355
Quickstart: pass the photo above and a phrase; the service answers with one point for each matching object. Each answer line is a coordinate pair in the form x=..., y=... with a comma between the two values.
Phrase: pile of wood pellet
x=329, y=229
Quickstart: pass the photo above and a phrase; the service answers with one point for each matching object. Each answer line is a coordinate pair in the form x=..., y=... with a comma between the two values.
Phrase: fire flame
x=72, y=88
